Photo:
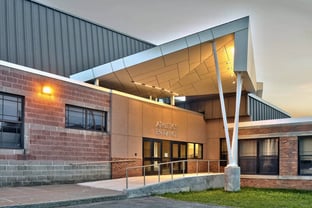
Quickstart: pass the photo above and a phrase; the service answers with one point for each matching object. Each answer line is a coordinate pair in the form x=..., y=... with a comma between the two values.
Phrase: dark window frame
x=223, y=153
x=86, y=123
x=300, y=156
x=10, y=123
x=194, y=151
x=259, y=159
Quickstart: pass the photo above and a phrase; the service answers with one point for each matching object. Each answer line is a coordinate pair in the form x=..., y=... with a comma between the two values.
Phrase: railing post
x=144, y=175
x=158, y=173
x=126, y=178
x=171, y=165
x=183, y=166
x=208, y=166
x=197, y=167
x=218, y=166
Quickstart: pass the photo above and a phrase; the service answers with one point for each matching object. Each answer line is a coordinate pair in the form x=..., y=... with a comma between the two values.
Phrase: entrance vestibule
x=157, y=151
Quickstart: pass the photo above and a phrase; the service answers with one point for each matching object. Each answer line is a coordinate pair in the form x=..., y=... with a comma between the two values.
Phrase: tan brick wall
x=288, y=156
x=45, y=135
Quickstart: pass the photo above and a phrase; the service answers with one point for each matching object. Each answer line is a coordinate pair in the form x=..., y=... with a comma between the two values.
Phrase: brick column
x=288, y=156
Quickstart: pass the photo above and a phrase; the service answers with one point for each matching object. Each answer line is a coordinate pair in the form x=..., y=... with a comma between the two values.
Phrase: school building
x=81, y=102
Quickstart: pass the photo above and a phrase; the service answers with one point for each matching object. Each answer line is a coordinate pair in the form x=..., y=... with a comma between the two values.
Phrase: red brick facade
x=119, y=166
x=288, y=156
x=303, y=184
x=45, y=135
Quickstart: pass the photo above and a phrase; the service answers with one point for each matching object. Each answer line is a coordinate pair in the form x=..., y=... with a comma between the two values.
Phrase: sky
x=281, y=34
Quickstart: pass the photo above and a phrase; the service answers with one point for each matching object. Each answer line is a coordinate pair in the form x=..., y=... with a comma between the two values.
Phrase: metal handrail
x=171, y=168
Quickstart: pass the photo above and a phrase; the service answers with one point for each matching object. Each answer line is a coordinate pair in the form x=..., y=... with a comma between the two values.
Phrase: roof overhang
x=184, y=67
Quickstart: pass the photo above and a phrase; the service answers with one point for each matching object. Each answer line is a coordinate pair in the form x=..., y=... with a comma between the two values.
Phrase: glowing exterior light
x=155, y=87
x=180, y=98
x=47, y=90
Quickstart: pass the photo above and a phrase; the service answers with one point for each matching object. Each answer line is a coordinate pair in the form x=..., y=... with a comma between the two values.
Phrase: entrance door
x=151, y=155
x=178, y=152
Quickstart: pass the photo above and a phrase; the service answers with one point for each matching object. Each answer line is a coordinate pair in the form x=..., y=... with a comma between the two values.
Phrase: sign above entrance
x=166, y=129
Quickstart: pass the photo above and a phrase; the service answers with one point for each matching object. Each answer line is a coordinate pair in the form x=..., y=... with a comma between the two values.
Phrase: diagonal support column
x=239, y=84
x=225, y=123
x=232, y=171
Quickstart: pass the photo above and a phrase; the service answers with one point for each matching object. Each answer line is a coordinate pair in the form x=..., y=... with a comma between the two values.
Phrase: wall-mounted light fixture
x=47, y=90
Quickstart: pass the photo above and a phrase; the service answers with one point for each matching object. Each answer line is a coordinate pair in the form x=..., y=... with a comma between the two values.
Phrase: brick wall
x=39, y=172
x=280, y=183
x=53, y=153
x=288, y=156
x=45, y=135
x=119, y=166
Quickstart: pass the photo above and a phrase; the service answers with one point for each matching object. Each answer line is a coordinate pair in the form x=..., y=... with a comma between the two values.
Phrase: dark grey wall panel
x=46, y=39
x=262, y=111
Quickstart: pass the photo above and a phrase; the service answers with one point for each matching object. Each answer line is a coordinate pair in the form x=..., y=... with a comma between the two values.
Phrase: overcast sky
x=281, y=34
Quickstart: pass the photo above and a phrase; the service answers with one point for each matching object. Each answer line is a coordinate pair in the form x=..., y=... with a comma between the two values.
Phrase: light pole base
x=232, y=178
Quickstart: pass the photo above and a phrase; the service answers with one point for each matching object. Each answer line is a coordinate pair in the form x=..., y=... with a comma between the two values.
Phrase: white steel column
x=231, y=171
x=239, y=84
x=97, y=82
x=226, y=129
x=172, y=100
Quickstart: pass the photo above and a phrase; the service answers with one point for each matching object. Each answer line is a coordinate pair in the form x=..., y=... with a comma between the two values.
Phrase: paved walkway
x=74, y=194
x=145, y=202
x=55, y=195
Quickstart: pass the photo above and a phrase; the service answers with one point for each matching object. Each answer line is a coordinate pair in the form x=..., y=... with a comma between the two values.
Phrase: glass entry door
x=178, y=152
x=157, y=151
x=152, y=155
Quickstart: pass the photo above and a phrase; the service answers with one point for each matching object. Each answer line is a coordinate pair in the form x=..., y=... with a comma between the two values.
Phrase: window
x=84, y=118
x=259, y=156
x=11, y=121
x=194, y=150
x=305, y=155
x=223, y=152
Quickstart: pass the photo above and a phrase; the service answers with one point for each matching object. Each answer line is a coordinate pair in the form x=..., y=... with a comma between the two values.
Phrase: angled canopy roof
x=183, y=67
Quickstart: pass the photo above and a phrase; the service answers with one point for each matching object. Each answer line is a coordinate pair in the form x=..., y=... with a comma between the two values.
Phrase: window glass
x=305, y=155
x=198, y=150
x=11, y=121
x=190, y=150
x=248, y=156
x=259, y=156
x=75, y=117
x=223, y=152
x=248, y=148
x=147, y=149
x=11, y=108
x=182, y=151
x=99, y=120
x=83, y=118
x=194, y=150
x=268, y=156
x=157, y=149
x=175, y=150
x=268, y=147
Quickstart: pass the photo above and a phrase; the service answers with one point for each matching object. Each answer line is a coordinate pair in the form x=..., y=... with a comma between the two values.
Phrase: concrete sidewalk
x=55, y=195
x=73, y=194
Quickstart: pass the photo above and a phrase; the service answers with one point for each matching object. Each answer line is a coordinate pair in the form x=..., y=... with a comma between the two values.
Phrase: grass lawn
x=249, y=197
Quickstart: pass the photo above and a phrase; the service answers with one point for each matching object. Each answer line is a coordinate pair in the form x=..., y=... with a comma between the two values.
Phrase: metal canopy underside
x=187, y=72
x=184, y=67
